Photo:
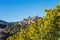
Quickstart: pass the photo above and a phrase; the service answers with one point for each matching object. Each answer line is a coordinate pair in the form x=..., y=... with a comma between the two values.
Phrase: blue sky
x=17, y=10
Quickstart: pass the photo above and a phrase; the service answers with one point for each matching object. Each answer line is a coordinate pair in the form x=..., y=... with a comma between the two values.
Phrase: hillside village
x=25, y=23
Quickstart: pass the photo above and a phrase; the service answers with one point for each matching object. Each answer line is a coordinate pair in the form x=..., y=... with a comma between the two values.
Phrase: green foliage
x=47, y=28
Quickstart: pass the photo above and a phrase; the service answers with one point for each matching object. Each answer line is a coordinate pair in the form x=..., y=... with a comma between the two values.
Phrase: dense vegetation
x=46, y=28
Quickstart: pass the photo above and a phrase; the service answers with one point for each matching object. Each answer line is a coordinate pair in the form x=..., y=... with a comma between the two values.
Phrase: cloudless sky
x=17, y=10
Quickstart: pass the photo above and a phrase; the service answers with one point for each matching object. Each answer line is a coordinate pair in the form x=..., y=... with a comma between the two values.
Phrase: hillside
x=10, y=28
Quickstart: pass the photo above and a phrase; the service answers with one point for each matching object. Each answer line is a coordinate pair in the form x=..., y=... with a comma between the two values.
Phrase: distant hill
x=6, y=23
x=3, y=22
x=11, y=23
